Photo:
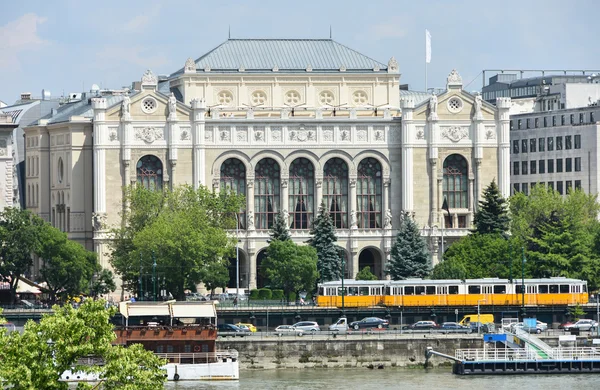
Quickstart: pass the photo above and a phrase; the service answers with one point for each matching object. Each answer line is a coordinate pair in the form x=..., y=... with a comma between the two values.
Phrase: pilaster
x=503, y=128
x=407, y=140
x=198, y=153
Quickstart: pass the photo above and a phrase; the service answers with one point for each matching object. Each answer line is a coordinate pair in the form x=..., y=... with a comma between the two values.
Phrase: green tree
x=452, y=268
x=102, y=283
x=409, y=255
x=365, y=274
x=19, y=238
x=36, y=358
x=215, y=275
x=184, y=230
x=290, y=267
x=279, y=230
x=492, y=215
x=323, y=240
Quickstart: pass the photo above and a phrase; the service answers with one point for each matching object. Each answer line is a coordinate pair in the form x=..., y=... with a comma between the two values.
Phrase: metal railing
x=534, y=342
x=496, y=354
x=200, y=357
x=577, y=353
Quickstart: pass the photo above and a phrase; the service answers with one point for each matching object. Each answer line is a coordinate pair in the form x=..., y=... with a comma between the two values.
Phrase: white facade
x=6, y=161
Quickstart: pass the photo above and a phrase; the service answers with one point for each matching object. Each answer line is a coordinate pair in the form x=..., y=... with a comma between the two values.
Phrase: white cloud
x=139, y=22
x=17, y=36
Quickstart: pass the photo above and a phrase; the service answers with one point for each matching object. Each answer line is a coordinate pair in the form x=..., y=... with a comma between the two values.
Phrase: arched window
x=302, y=193
x=233, y=178
x=266, y=193
x=335, y=191
x=150, y=172
x=456, y=181
x=368, y=194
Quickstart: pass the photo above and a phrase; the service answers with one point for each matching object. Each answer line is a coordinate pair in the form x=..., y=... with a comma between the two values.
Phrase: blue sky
x=66, y=46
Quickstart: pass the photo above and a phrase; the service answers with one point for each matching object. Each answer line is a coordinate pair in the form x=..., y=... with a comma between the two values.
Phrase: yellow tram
x=469, y=292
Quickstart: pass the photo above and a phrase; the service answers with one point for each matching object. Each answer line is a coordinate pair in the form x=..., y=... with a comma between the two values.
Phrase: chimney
x=26, y=96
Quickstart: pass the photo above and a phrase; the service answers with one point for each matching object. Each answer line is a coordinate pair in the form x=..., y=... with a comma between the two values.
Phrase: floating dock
x=522, y=353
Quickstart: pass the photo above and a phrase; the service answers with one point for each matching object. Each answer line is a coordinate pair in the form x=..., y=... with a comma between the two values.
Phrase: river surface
x=390, y=378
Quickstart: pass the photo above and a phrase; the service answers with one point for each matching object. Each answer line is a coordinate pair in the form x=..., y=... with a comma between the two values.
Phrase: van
x=340, y=326
x=482, y=318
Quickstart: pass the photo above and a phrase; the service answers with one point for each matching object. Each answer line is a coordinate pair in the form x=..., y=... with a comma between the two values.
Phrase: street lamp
x=479, y=315
x=237, y=257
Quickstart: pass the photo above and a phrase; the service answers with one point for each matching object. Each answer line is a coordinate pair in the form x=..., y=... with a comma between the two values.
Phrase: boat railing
x=200, y=357
x=495, y=354
x=577, y=353
x=539, y=347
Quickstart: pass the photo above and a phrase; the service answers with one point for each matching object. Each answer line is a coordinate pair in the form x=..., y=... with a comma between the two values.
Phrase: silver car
x=288, y=330
x=583, y=325
x=307, y=326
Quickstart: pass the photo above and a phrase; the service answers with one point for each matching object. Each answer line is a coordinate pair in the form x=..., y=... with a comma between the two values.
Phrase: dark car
x=455, y=327
x=423, y=325
x=370, y=322
x=231, y=330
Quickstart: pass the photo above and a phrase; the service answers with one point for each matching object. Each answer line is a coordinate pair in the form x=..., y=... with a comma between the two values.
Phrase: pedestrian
x=235, y=301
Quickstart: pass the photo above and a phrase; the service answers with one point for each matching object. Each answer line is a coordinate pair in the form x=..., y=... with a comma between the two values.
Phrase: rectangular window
x=519, y=289
x=516, y=146
x=525, y=188
x=550, y=185
x=543, y=289
x=519, y=124
x=553, y=121
x=528, y=125
x=541, y=144
x=462, y=221
x=500, y=289
x=550, y=166
x=512, y=125
x=559, y=165
x=515, y=168
x=409, y=290
x=559, y=143
x=453, y=290
x=532, y=167
x=542, y=166
x=545, y=121
x=430, y=290
x=581, y=118
x=559, y=187
x=568, y=185
x=564, y=289
x=515, y=188
x=537, y=122
x=577, y=141
x=554, y=289
x=550, y=143
x=577, y=184
x=568, y=143
x=572, y=119
x=523, y=167
x=568, y=164
x=532, y=145
x=419, y=290
x=592, y=118
x=523, y=146
x=474, y=289
x=562, y=120
x=577, y=164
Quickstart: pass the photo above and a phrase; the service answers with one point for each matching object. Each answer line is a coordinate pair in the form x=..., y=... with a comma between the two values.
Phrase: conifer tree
x=492, y=216
x=409, y=256
x=279, y=230
x=323, y=240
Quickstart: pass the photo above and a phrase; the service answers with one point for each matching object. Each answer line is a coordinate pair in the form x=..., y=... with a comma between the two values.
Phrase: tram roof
x=418, y=282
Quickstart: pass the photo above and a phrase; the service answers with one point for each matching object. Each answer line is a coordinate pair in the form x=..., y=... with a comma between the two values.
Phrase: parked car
x=483, y=328
x=565, y=324
x=455, y=327
x=231, y=330
x=584, y=324
x=248, y=326
x=423, y=325
x=307, y=326
x=530, y=329
x=370, y=322
x=283, y=330
x=542, y=325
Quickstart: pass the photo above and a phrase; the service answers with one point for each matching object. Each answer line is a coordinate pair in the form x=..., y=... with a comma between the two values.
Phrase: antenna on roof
x=330, y=33
x=229, y=37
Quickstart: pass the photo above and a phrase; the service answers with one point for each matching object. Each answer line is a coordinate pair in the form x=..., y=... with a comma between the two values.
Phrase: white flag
x=427, y=46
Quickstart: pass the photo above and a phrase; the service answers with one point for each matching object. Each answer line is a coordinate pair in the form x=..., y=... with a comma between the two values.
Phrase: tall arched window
x=302, y=193
x=150, y=172
x=456, y=181
x=368, y=194
x=335, y=191
x=266, y=193
x=233, y=178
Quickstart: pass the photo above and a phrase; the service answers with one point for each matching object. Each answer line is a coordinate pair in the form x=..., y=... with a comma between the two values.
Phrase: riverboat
x=183, y=333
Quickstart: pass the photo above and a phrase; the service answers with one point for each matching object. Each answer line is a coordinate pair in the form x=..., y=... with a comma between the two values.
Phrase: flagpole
x=426, y=60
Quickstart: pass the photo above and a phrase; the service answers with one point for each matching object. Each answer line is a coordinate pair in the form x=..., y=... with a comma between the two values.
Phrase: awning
x=142, y=309
x=194, y=310
x=24, y=288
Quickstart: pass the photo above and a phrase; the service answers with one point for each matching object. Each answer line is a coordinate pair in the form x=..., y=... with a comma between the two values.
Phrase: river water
x=390, y=378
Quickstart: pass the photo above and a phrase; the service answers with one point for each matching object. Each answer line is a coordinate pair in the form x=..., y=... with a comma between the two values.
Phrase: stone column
x=435, y=182
x=172, y=143
x=100, y=129
x=285, y=197
x=252, y=275
x=319, y=195
x=173, y=170
x=353, y=205
x=434, y=192
x=250, y=202
x=438, y=189
x=471, y=196
x=199, y=154
x=407, y=141
x=503, y=131
x=478, y=180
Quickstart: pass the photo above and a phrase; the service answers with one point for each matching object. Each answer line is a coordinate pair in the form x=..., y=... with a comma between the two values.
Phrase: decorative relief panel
x=303, y=133
x=490, y=132
x=77, y=222
x=113, y=134
x=328, y=133
x=361, y=133
x=224, y=134
x=455, y=133
x=3, y=144
x=186, y=134
x=345, y=133
x=379, y=133
x=208, y=134
x=276, y=134
x=149, y=134
x=259, y=134
x=242, y=133
x=420, y=132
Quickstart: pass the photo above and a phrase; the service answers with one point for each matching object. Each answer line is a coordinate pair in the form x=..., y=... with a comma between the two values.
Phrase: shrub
x=254, y=294
x=264, y=294
x=292, y=297
x=277, y=294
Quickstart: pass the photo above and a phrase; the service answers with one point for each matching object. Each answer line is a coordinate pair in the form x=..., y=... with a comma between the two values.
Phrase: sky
x=67, y=45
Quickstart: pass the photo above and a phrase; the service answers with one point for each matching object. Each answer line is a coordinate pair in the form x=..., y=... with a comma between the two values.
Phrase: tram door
x=488, y=295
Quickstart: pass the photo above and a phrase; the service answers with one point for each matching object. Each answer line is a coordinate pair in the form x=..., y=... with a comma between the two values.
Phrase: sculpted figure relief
x=125, y=106
x=172, y=104
x=433, y=104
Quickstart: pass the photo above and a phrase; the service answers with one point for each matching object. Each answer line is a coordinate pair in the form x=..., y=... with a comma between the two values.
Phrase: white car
x=584, y=324
x=290, y=330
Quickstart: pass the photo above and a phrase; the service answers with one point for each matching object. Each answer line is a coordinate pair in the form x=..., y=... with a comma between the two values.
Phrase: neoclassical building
x=289, y=124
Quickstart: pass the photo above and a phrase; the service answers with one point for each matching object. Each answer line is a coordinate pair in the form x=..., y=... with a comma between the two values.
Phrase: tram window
x=321, y=291
x=387, y=290
x=363, y=291
x=420, y=290
x=519, y=289
x=430, y=290
x=531, y=289
x=374, y=291
x=353, y=291
x=342, y=292
x=453, y=290
x=499, y=289
x=575, y=288
x=553, y=288
x=409, y=290
x=585, y=288
x=564, y=289
x=442, y=290
x=543, y=289
x=474, y=289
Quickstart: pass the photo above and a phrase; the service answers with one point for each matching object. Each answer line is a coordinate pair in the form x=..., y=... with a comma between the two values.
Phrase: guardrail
x=495, y=354
x=200, y=357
